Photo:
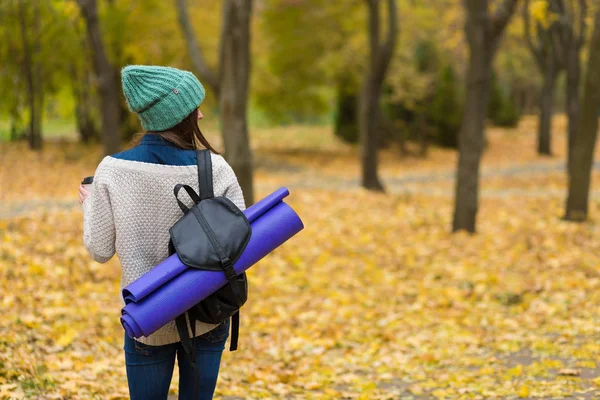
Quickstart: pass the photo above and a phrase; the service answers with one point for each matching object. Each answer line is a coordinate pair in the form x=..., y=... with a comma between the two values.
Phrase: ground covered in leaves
x=375, y=299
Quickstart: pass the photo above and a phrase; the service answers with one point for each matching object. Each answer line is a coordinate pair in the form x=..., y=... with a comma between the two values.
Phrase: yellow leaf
x=36, y=269
x=516, y=371
x=370, y=386
x=523, y=391
x=67, y=338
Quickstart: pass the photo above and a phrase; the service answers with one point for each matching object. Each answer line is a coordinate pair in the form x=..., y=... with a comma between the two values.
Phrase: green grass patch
x=56, y=128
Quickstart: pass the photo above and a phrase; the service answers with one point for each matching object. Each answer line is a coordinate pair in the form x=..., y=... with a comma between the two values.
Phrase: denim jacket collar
x=154, y=139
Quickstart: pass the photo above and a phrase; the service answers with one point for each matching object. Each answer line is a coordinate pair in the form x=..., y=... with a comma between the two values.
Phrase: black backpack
x=211, y=235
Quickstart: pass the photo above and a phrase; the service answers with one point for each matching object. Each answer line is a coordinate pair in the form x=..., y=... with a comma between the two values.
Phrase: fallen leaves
x=374, y=300
x=569, y=372
x=523, y=391
x=333, y=316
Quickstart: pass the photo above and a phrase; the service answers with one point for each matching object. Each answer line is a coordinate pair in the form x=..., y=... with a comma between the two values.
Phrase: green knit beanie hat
x=161, y=96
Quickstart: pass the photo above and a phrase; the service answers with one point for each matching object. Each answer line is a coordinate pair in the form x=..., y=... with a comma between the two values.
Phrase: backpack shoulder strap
x=189, y=346
x=204, y=174
x=235, y=331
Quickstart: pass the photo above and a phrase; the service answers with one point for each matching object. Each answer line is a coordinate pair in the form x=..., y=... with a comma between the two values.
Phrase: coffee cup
x=87, y=183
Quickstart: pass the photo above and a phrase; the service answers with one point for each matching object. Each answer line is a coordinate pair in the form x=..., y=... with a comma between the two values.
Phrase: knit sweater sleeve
x=98, y=222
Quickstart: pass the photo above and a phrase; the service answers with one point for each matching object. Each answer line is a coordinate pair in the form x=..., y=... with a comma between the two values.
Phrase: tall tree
x=369, y=111
x=585, y=140
x=233, y=99
x=81, y=79
x=105, y=72
x=573, y=32
x=31, y=64
x=230, y=83
x=547, y=53
x=483, y=30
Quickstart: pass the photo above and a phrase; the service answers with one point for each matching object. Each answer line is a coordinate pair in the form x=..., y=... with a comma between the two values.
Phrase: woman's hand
x=83, y=194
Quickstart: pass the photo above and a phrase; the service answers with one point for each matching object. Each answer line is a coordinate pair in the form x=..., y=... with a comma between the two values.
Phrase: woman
x=132, y=208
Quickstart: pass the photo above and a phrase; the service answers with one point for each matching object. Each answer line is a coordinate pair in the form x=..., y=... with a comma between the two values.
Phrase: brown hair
x=185, y=135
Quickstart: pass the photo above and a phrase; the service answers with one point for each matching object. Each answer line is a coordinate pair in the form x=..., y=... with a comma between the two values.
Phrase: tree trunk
x=424, y=133
x=572, y=99
x=574, y=39
x=83, y=105
x=346, y=120
x=105, y=72
x=82, y=83
x=471, y=139
x=230, y=84
x=585, y=140
x=483, y=32
x=36, y=135
x=379, y=60
x=32, y=71
x=369, y=134
x=546, y=112
x=547, y=53
x=235, y=68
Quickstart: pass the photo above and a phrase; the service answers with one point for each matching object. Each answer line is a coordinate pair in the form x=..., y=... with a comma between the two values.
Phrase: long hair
x=185, y=135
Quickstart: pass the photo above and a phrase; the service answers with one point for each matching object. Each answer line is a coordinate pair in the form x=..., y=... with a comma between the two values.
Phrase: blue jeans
x=150, y=368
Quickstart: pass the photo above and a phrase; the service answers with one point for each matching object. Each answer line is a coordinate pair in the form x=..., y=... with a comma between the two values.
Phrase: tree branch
x=555, y=38
x=195, y=52
x=557, y=48
x=502, y=15
x=563, y=31
x=386, y=50
x=583, y=8
x=536, y=51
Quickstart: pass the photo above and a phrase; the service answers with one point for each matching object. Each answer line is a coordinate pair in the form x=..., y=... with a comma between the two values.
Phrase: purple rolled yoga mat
x=172, y=266
x=269, y=231
x=263, y=205
x=153, y=279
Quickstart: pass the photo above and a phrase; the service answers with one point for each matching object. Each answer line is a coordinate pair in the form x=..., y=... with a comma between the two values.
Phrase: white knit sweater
x=131, y=210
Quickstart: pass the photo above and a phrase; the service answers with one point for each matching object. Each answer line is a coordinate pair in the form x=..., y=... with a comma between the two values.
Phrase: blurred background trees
x=438, y=79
